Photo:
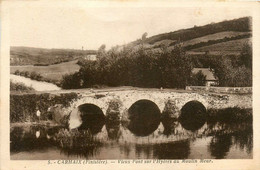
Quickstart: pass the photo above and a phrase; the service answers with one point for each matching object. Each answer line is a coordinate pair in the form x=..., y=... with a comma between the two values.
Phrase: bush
x=17, y=72
x=231, y=71
x=231, y=74
x=23, y=107
x=20, y=87
x=198, y=79
x=41, y=64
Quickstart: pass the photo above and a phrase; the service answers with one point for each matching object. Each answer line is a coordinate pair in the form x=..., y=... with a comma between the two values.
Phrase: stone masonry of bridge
x=127, y=96
x=160, y=97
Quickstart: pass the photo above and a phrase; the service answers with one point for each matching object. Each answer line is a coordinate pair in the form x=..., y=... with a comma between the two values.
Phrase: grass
x=229, y=47
x=42, y=56
x=216, y=36
x=225, y=47
x=52, y=72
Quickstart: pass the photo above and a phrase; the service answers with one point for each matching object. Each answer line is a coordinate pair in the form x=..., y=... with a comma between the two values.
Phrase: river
x=100, y=139
x=37, y=85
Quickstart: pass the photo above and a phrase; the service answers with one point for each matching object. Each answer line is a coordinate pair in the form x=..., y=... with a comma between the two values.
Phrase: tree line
x=167, y=69
x=139, y=68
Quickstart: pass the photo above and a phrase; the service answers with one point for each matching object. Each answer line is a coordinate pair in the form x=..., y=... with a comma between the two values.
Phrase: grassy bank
x=23, y=107
x=52, y=72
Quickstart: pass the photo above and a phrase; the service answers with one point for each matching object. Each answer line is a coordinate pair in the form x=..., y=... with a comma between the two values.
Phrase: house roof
x=207, y=72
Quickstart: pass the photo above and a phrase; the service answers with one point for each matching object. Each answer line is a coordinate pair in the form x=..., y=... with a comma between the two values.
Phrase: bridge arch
x=193, y=115
x=181, y=103
x=92, y=117
x=85, y=115
x=128, y=102
x=75, y=119
x=143, y=117
x=101, y=103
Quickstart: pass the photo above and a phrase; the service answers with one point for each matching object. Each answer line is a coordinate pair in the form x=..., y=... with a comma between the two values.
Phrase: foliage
x=235, y=72
x=75, y=139
x=23, y=107
x=140, y=68
x=101, y=51
x=198, y=79
x=144, y=36
x=113, y=112
x=35, y=76
x=20, y=87
x=32, y=75
x=168, y=69
x=43, y=64
x=246, y=56
x=231, y=71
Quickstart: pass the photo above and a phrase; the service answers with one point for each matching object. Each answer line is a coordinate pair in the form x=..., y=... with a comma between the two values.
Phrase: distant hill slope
x=216, y=36
x=31, y=56
x=230, y=47
x=194, y=39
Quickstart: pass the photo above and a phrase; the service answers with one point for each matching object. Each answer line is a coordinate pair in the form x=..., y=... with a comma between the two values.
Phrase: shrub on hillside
x=211, y=42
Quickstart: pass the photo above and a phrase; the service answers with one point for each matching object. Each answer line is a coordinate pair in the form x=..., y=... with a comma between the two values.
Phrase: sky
x=71, y=27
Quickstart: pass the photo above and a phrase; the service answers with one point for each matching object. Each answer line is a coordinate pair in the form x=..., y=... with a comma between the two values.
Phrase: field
x=216, y=36
x=53, y=72
x=31, y=56
x=229, y=47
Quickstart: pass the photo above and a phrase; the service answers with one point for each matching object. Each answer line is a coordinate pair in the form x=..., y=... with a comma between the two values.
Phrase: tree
x=198, y=79
x=140, y=68
x=144, y=36
x=101, y=51
x=246, y=55
x=231, y=74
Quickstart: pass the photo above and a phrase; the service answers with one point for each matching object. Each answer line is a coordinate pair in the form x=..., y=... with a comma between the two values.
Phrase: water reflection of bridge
x=154, y=123
x=218, y=137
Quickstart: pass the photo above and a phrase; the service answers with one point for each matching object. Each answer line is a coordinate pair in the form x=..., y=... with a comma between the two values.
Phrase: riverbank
x=37, y=85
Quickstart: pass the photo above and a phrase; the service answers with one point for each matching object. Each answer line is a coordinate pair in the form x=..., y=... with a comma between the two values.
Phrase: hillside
x=230, y=47
x=227, y=36
x=42, y=56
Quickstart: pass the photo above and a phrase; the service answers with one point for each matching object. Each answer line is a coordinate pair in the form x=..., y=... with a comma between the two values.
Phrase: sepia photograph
x=159, y=83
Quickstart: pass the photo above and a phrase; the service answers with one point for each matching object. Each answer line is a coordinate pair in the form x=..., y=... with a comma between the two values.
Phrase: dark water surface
x=143, y=137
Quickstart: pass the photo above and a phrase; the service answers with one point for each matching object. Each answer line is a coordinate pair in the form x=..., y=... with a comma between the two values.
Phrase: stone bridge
x=126, y=97
x=117, y=100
